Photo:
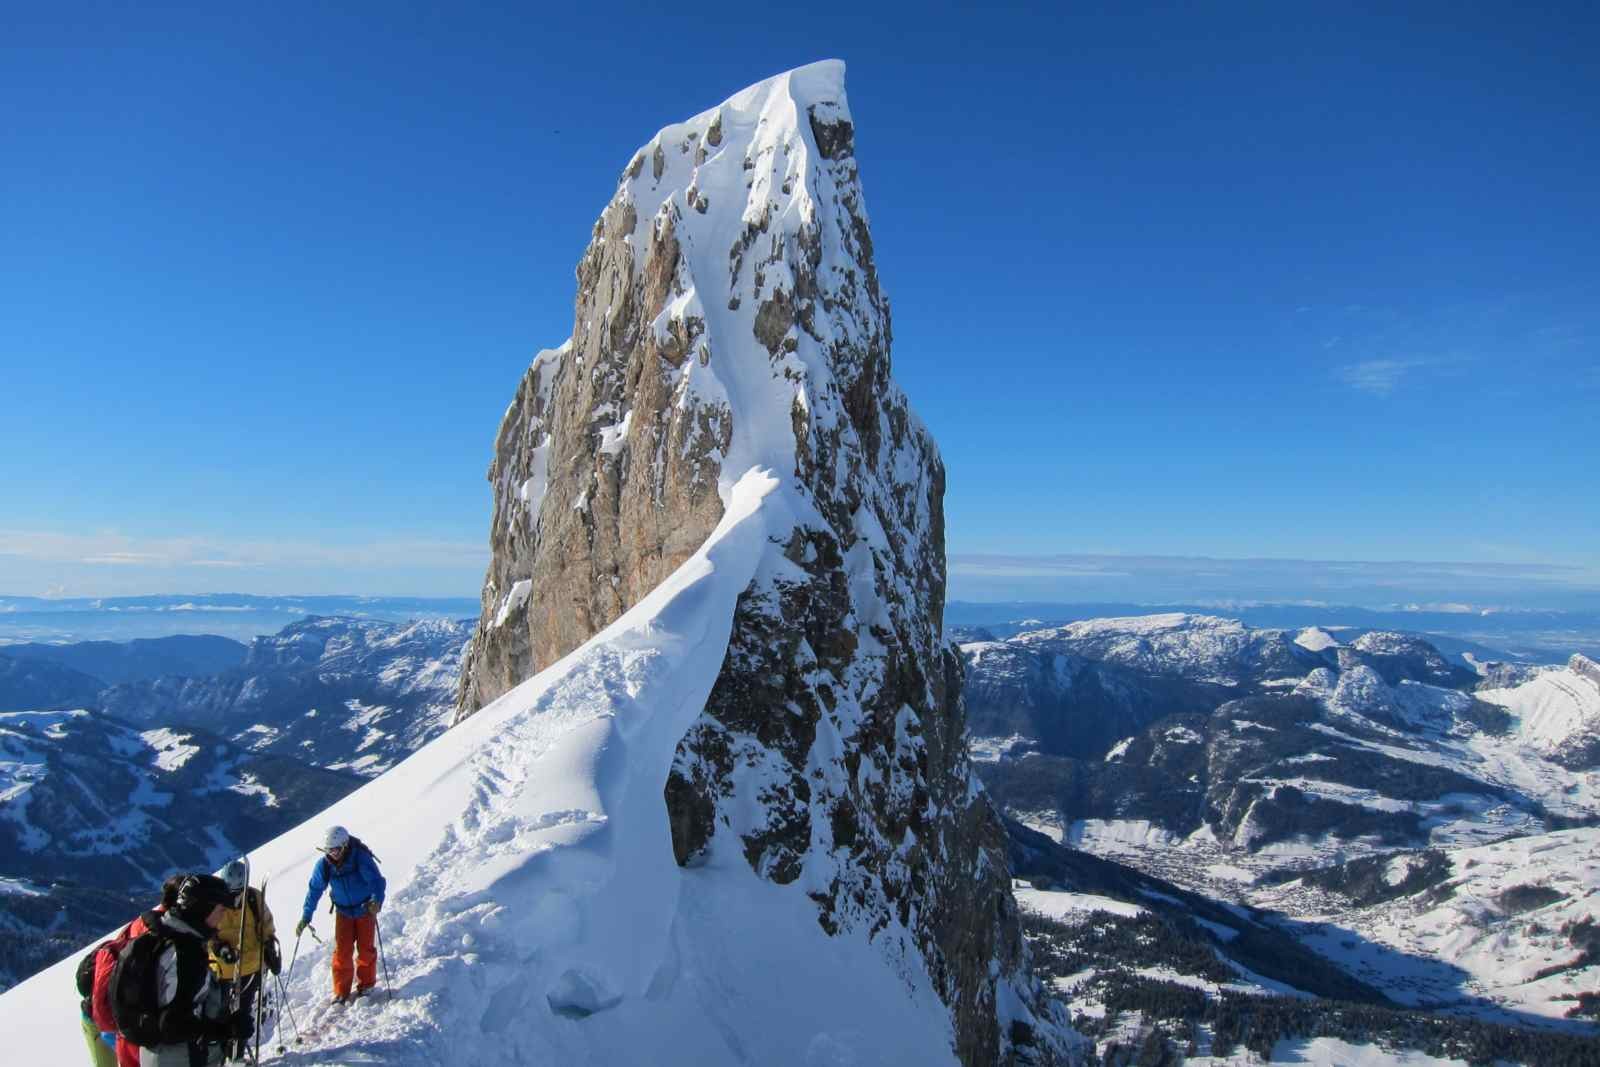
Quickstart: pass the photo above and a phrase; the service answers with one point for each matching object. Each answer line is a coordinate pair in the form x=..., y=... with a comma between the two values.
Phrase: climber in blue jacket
x=349, y=872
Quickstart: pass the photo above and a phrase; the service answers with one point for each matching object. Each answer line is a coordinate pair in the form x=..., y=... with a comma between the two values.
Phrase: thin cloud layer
x=1379, y=377
x=115, y=563
x=1450, y=586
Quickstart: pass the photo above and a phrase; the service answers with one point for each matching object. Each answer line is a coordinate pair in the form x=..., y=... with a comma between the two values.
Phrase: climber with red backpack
x=162, y=994
x=94, y=977
x=349, y=873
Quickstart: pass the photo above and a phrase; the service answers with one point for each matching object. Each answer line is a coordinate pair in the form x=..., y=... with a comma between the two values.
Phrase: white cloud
x=1042, y=566
x=1378, y=376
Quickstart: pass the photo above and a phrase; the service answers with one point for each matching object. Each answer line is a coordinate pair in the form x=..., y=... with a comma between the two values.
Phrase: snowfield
x=1493, y=941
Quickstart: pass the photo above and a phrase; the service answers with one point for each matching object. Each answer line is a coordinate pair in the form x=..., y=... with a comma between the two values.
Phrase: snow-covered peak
x=757, y=194
x=1385, y=642
x=1587, y=669
x=1558, y=712
x=1316, y=639
x=728, y=317
x=1203, y=648
x=1363, y=691
x=1319, y=684
x=1147, y=625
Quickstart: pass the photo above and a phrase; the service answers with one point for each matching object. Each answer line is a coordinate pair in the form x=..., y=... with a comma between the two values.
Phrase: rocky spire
x=729, y=317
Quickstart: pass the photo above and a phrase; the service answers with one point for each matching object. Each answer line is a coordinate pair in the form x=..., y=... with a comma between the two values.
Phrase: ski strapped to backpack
x=244, y=913
x=270, y=962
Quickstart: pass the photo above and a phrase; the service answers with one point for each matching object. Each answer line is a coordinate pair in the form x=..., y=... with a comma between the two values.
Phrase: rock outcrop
x=729, y=317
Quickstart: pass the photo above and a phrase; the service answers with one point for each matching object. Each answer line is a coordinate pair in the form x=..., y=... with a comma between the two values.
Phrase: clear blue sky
x=1244, y=281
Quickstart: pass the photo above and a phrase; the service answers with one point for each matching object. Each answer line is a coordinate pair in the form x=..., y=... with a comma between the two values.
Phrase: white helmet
x=236, y=873
x=336, y=837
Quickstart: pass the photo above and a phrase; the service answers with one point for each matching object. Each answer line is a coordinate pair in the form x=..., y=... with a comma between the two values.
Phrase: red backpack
x=94, y=970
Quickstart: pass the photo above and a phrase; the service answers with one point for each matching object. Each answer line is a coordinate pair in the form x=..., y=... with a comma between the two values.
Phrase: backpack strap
x=356, y=842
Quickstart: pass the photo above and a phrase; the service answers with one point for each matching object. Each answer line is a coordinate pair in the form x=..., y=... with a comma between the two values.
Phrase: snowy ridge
x=1204, y=648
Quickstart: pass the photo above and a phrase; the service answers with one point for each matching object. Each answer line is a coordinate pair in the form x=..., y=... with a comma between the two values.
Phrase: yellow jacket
x=258, y=930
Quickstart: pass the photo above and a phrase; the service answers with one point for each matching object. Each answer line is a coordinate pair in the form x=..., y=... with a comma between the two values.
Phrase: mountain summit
x=730, y=325
x=728, y=317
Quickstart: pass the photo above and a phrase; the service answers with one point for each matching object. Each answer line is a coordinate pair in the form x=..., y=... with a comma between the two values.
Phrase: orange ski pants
x=354, y=936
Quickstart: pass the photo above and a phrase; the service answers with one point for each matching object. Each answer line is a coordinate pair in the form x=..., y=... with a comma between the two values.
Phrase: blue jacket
x=353, y=882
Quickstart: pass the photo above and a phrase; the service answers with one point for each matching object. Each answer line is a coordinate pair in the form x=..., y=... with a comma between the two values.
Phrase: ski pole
x=388, y=987
x=262, y=1007
x=287, y=1012
x=292, y=957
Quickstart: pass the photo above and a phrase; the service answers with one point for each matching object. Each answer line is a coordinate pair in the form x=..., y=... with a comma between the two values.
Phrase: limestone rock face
x=729, y=317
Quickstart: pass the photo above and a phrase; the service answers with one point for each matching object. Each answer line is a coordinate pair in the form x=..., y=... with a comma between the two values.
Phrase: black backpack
x=86, y=980
x=133, y=991
x=86, y=970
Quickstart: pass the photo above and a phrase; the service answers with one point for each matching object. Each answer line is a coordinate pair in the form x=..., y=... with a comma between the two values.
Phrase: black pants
x=246, y=992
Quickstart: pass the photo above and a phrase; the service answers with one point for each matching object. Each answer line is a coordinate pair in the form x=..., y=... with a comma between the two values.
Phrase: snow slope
x=1557, y=708
x=532, y=882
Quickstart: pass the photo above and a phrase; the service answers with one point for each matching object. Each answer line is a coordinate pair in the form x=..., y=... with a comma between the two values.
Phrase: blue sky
x=1264, y=281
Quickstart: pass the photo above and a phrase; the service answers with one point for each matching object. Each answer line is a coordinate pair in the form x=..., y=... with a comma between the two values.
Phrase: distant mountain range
x=1197, y=805
x=115, y=662
x=96, y=812
x=181, y=771
x=1362, y=794
x=1534, y=636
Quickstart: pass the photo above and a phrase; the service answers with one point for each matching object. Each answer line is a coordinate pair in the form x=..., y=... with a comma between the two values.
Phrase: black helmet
x=199, y=893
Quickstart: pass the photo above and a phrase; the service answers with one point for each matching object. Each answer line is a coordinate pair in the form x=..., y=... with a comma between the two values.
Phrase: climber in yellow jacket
x=246, y=941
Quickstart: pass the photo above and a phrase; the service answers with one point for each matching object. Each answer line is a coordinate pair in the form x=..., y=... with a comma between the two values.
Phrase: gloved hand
x=225, y=952
x=109, y=1037
x=300, y=927
x=373, y=907
x=273, y=955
